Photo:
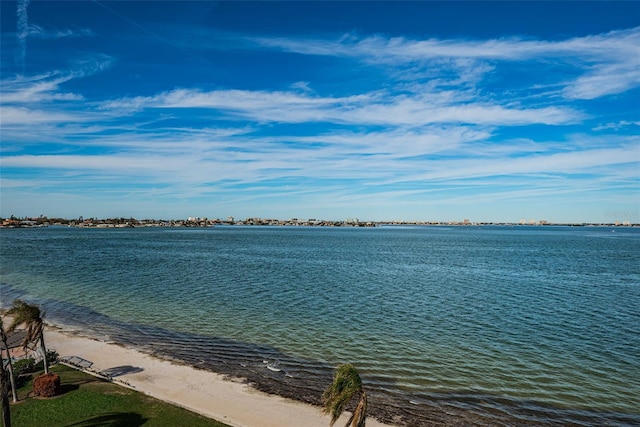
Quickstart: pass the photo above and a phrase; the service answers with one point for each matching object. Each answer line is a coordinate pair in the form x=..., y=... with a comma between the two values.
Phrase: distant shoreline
x=43, y=221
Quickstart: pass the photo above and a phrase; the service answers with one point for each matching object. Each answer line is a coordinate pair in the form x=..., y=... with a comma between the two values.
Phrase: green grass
x=89, y=401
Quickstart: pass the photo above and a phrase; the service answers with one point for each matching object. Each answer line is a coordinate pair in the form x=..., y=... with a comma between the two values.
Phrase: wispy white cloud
x=39, y=99
x=615, y=126
x=36, y=31
x=610, y=62
x=35, y=89
x=564, y=163
x=377, y=108
x=393, y=50
x=268, y=161
x=22, y=30
x=302, y=86
x=602, y=80
x=11, y=116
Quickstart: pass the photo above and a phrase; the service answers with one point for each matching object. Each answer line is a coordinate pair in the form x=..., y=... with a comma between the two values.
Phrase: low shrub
x=23, y=366
x=47, y=385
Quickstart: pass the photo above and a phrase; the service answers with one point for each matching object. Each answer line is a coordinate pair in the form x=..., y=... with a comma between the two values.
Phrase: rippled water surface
x=460, y=325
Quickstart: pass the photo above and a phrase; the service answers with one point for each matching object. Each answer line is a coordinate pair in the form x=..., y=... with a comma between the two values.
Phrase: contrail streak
x=22, y=30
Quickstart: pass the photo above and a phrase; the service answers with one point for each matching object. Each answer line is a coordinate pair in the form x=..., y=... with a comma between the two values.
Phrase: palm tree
x=346, y=385
x=3, y=338
x=6, y=409
x=4, y=387
x=31, y=316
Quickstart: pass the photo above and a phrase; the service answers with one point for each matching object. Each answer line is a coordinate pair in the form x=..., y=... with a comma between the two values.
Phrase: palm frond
x=31, y=317
x=346, y=384
x=34, y=332
x=24, y=313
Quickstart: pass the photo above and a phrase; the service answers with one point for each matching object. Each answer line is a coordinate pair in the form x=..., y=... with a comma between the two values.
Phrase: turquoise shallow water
x=469, y=325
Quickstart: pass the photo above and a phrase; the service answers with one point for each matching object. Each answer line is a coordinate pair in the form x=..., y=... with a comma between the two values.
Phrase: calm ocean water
x=447, y=325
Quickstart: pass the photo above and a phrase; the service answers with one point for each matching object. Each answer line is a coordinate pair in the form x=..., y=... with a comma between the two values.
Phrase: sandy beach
x=206, y=393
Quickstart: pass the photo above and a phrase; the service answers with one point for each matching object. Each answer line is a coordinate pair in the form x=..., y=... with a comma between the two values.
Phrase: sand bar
x=206, y=393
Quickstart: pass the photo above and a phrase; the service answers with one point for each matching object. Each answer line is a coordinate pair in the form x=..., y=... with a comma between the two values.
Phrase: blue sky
x=491, y=111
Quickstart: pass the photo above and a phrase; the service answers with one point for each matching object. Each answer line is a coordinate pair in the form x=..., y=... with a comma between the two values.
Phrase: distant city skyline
x=414, y=111
x=196, y=221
